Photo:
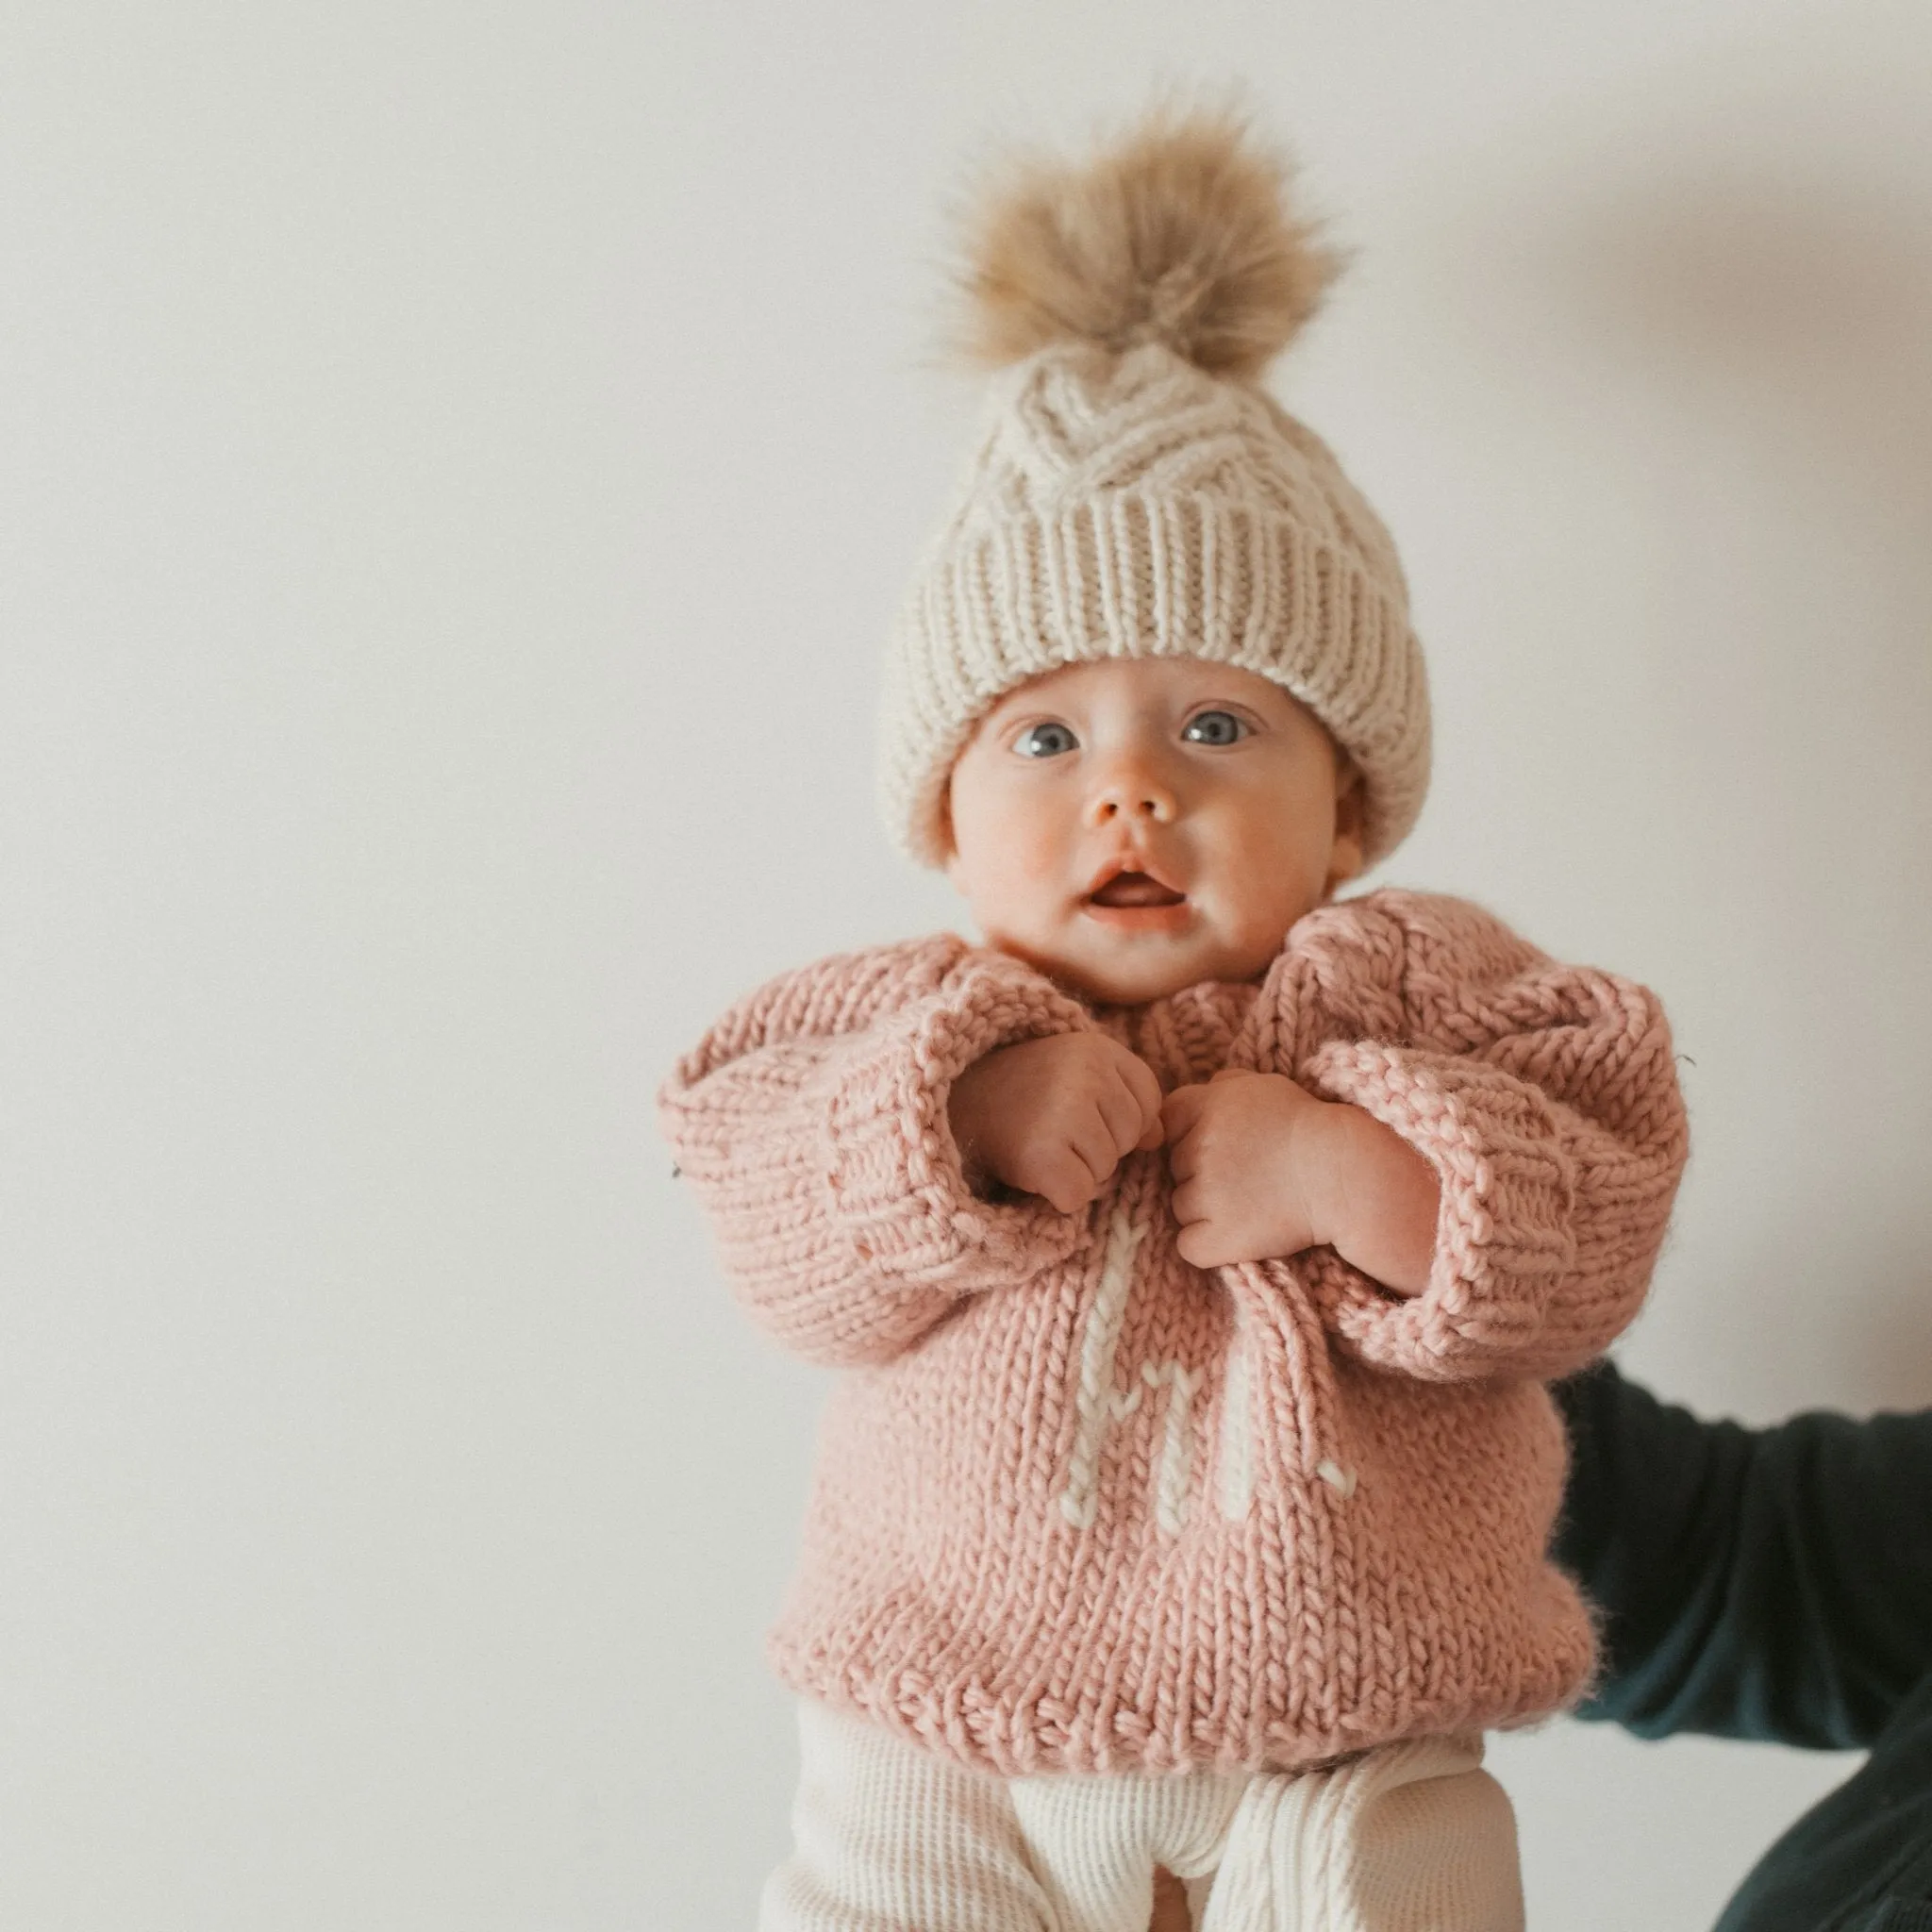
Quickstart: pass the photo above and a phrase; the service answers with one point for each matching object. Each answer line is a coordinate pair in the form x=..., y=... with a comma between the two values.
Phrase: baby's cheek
x=1021, y=860
x=1012, y=873
x=1286, y=879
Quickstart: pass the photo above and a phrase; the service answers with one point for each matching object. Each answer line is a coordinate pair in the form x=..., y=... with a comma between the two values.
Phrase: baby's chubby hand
x=1056, y=1116
x=1262, y=1169
x=1241, y=1149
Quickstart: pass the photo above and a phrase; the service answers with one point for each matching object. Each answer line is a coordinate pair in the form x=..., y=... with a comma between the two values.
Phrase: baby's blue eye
x=1214, y=727
x=1044, y=741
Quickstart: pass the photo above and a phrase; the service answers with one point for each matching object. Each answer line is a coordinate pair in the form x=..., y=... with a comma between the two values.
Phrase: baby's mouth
x=1135, y=888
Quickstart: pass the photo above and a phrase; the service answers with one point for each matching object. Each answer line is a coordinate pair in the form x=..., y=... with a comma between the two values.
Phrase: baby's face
x=1139, y=826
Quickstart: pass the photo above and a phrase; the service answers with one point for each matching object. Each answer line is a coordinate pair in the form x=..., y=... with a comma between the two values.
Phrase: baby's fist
x=1262, y=1169
x=1242, y=1149
x=1055, y=1117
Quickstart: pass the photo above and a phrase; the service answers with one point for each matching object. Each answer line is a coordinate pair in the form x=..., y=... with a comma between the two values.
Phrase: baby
x=1196, y=1248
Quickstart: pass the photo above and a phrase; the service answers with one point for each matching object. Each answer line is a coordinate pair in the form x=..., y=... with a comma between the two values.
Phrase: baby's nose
x=1131, y=795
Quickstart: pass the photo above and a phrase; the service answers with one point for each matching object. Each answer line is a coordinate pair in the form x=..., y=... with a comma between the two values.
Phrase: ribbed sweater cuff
x=1505, y=1229
x=894, y=1179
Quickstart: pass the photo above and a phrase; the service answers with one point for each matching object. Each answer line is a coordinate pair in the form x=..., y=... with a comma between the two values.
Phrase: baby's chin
x=1109, y=970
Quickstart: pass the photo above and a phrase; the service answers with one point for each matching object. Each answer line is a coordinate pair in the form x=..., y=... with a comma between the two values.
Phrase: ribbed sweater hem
x=1012, y=1734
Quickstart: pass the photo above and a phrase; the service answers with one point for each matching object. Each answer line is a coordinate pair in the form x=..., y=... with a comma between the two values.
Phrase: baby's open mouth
x=1135, y=888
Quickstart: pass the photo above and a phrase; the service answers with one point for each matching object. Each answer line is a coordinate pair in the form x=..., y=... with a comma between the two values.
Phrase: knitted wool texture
x=1124, y=506
x=1082, y=1507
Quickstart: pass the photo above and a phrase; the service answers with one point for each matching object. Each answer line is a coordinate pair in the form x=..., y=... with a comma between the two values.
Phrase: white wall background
x=456, y=462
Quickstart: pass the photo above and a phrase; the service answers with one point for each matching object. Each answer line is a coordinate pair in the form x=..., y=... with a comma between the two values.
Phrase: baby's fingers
x=1122, y=1113
x=1181, y=1109
x=1204, y=1246
x=1092, y=1136
x=1064, y=1178
x=1187, y=1204
x=1146, y=1089
x=1200, y=1239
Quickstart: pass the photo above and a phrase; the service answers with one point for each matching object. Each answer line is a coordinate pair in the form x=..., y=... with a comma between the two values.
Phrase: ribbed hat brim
x=1145, y=572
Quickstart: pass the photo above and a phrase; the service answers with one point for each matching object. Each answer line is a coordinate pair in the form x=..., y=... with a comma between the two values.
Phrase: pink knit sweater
x=1082, y=1507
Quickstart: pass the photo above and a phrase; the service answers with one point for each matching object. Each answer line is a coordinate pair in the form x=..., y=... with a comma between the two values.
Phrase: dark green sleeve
x=1752, y=1582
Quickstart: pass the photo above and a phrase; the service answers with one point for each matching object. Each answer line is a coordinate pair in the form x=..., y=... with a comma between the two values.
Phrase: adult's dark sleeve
x=1752, y=1583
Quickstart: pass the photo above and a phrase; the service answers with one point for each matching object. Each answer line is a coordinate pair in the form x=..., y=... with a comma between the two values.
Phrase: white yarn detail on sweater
x=1177, y=1443
x=1096, y=1398
x=1341, y=1481
x=1234, y=1465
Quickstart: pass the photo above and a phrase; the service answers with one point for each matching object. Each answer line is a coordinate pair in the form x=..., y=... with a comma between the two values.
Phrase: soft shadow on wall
x=1727, y=308
x=1793, y=320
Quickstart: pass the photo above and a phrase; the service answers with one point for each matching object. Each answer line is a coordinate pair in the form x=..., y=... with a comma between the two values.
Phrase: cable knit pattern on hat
x=1082, y=1507
x=1135, y=506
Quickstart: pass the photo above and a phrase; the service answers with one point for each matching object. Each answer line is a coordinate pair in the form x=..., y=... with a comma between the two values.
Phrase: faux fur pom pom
x=1180, y=232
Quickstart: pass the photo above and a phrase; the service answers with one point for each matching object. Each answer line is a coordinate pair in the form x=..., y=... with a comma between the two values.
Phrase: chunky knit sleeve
x=811, y=1124
x=1545, y=1098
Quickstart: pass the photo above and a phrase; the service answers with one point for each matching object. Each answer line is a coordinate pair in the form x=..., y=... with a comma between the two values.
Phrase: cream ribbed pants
x=1411, y=1838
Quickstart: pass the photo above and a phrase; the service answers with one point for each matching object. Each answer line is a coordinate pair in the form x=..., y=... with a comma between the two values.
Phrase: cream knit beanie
x=1136, y=493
